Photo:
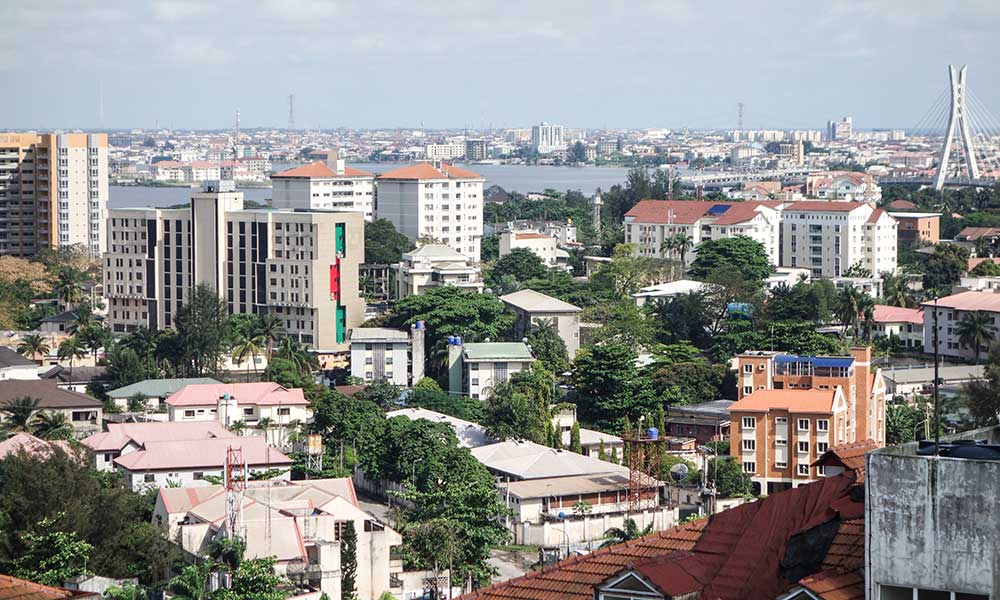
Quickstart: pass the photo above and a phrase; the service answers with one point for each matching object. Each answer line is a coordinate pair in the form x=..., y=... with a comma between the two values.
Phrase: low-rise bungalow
x=83, y=412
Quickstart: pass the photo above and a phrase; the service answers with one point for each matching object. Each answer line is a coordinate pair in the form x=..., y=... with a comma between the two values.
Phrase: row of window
x=821, y=424
x=750, y=445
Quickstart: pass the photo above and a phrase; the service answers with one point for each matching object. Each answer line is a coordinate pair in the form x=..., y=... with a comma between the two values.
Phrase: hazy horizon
x=671, y=64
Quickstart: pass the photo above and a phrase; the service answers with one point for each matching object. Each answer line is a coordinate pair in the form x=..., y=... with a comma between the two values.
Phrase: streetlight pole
x=937, y=404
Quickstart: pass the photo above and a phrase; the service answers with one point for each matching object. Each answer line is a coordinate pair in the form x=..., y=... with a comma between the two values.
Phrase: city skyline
x=188, y=65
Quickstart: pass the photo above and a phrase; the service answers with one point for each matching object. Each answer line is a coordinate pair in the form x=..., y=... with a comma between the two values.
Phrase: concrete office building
x=546, y=139
x=841, y=130
x=534, y=309
x=325, y=186
x=917, y=227
x=394, y=355
x=448, y=151
x=435, y=200
x=298, y=265
x=53, y=192
x=473, y=369
x=476, y=150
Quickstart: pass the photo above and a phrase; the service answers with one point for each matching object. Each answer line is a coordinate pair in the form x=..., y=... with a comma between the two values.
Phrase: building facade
x=918, y=227
x=300, y=266
x=543, y=246
x=473, y=369
x=393, y=355
x=53, y=192
x=829, y=237
x=950, y=311
x=534, y=309
x=320, y=186
x=476, y=150
x=546, y=138
x=434, y=265
x=435, y=201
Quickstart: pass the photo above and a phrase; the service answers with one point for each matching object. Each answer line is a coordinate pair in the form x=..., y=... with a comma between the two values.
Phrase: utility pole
x=937, y=403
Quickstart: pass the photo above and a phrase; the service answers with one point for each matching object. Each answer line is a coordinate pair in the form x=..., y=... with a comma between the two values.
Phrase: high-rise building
x=476, y=150
x=53, y=191
x=434, y=201
x=829, y=237
x=326, y=186
x=840, y=130
x=299, y=265
x=546, y=138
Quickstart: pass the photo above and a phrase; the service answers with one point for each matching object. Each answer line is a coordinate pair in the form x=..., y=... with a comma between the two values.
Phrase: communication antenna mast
x=643, y=450
x=291, y=112
x=739, y=117
x=236, y=485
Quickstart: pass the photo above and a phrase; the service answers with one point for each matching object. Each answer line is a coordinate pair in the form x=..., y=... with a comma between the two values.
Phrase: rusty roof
x=834, y=585
x=849, y=456
x=12, y=588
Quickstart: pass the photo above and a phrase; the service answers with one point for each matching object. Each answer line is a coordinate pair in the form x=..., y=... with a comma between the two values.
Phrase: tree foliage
x=51, y=556
x=202, y=328
x=383, y=244
x=349, y=562
x=609, y=387
x=727, y=474
x=746, y=255
x=944, y=269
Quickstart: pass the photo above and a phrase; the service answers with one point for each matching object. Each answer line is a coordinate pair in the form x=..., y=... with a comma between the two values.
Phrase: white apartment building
x=325, y=186
x=435, y=201
x=950, y=312
x=444, y=151
x=843, y=185
x=543, y=246
x=300, y=266
x=828, y=237
x=546, y=138
x=394, y=355
x=473, y=369
x=650, y=222
x=435, y=265
x=53, y=192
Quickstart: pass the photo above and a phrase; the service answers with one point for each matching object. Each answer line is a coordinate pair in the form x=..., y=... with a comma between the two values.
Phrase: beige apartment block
x=53, y=191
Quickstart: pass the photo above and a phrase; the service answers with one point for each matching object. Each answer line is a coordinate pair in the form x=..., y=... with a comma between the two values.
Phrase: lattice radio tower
x=644, y=449
x=739, y=117
x=957, y=119
x=236, y=485
x=291, y=112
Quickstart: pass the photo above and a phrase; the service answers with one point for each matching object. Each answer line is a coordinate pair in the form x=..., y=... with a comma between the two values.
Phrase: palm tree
x=295, y=352
x=868, y=313
x=976, y=330
x=84, y=318
x=265, y=424
x=51, y=425
x=617, y=535
x=33, y=345
x=896, y=291
x=682, y=243
x=20, y=412
x=71, y=349
x=94, y=337
x=849, y=307
x=270, y=328
x=143, y=342
x=248, y=345
x=68, y=287
x=237, y=427
x=192, y=583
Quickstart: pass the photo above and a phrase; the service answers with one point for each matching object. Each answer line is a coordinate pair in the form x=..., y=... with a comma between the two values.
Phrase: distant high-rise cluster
x=53, y=191
x=840, y=130
x=546, y=138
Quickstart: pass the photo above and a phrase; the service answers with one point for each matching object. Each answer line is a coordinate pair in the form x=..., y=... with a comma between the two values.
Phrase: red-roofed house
x=843, y=185
x=12, y=588
x=123, y=438
x=329, y=186
x=950, y=311
x=905, y=323
x=650, y=222
x=435, y=200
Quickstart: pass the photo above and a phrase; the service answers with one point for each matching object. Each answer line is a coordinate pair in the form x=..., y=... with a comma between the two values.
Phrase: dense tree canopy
x=383, y=244
x=747, y=256
x=944, y=268
x=609, y=387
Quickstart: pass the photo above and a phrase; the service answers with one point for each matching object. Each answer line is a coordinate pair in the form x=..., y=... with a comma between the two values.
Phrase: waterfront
x=515, y=178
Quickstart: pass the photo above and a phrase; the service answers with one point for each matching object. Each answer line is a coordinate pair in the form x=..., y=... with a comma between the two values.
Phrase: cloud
x=174, y=11
x=189, y=50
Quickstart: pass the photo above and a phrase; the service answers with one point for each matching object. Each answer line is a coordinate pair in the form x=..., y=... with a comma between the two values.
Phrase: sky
x=488, y=63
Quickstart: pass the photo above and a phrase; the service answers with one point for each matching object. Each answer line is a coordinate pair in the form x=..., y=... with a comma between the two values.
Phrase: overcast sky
x=477, y=63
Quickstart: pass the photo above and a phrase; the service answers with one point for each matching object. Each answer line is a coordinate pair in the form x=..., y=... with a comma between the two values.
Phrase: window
x=780, y=464
x=749, y=467
x=822, y=447
x=149, y=478
x=748, y=368
x=804, y=447
x=803, y=424
x=804, y=470
x=198, y=475
x=749, y=422
x=747, y=389
x=248, y=411
x=822, y=425
x=284, y=412
x=750, y=445
x=189, y=413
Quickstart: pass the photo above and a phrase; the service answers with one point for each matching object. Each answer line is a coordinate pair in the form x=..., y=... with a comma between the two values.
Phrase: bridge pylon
x=957, y=119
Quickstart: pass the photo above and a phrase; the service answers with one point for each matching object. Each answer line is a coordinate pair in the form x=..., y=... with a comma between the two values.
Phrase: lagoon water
x=515, y=178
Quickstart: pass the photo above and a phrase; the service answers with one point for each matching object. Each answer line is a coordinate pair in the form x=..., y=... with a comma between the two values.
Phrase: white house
x=394, y=355
x=907, y=324
x=473, y=369
x=434, y=265
x=325, y=186
x=534, y=309
x=124, y=438
x=15, y=366
x=543, y=246
x=950, y=312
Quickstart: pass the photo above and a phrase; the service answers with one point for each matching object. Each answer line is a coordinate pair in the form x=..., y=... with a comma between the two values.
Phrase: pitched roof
x=884, y=313
x=876, y=215
x=902, y=205
x=263, y=393
x=10, y=358
x=681, y=212
x=32, y=445
x=469, y=434
x=77, y=374
x=984, y=301
x=823, y=206
x=378, y=333
x=528, y=460
x=425, y=170
x=743, y=552
x=849, y=456
x=318, y=170
x=48, y=393
x=795, y=401
x=498, y=351
x=209, y=453
x=531, y=301
x=119, y=435
x=975, y=262
x=158, y=388
x=974, y=233
x=12, y=588
x=833, y=585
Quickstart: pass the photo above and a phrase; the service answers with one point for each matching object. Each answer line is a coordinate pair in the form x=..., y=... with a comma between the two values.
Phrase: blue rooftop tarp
x=817, y=361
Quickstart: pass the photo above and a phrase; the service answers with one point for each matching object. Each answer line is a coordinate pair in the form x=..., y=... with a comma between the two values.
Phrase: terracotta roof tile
x=884, y=313
x=835, y=585
x=426, y=170
x=681, y=212
x=823, y=206
x=799, y=401
x=319, y=170
x=12, y=588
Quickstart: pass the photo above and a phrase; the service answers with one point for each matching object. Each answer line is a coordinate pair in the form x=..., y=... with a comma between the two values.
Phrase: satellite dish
x=679, y=472
x=296, y=568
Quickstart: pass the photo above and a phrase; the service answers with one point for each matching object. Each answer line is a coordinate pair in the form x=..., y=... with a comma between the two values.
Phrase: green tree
x=628, y=271
x=383, y=244
x=574, y=439
x=19, y=414
x=745, y=254
x=202, y=327
x=631, y=531
x=428, y=394
x=982, y=395
x=975, y=330
x=33, y=345
x=901, y=423
x=986, y=268
x=52, y=556
x=727, y=474
x=125, y=592
x=489, y=248
x=71, y=349
x=577, y=153
x=297, y=354
x=431, y=544
x=519, y=407
x=348, y=562
x=944, y=268
x=548, y=347
x=124, y=367
x=609, y=386
x=381, y=392
x=857, y=270
x=69, y=286
x=896, y=291
x=521, y=264
x=52, y=425
x=623, y=322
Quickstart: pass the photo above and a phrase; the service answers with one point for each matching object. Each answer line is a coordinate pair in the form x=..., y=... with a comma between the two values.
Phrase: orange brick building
x=792, y=408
